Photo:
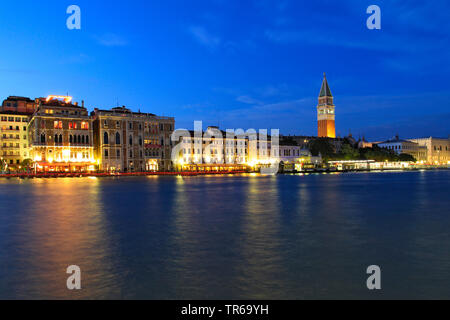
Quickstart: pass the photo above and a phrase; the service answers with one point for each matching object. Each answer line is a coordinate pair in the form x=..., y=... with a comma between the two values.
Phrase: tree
x=349, y=153
x=321, y=146
x=406, y=157
x=27, y=164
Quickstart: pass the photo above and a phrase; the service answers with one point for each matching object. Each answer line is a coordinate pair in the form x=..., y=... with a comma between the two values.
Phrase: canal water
x=227, y=237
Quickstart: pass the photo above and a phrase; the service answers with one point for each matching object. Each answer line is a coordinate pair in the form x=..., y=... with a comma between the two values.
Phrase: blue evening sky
x=239, y=64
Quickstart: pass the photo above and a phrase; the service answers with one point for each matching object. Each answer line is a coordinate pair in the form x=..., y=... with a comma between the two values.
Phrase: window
x=130, y=125
x=140, y=141
x=106, y=153
x=42, y=138
x=105, y=138
x=60, y=138
x=131, y=140
x=87, y=139
x=117, y=138
x=131, y=153
x=70, y=139
x=118, y=153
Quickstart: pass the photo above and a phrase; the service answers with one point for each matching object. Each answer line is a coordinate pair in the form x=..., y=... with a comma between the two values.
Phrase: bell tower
x=326, y=112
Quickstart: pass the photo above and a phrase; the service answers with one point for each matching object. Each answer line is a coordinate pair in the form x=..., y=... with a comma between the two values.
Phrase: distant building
x=438, y=149
x=61, y=136
x=132, y=141
x=326, y=112
x=364, y=144
x=14, y=137
x=21, y=105
x=400, y=146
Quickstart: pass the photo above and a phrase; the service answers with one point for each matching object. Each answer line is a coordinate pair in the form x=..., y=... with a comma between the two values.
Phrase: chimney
x=82, y=103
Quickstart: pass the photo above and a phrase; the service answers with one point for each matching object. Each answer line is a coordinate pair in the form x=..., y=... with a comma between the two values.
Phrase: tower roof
x=325, y=90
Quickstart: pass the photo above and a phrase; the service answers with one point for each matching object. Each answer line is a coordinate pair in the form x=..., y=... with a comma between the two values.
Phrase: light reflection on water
x=227, y=237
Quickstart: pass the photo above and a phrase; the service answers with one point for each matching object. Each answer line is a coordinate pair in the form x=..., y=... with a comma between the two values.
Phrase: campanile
x=326, y=111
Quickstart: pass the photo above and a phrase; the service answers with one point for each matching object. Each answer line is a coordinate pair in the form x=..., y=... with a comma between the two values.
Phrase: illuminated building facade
x=61, y=136
x=326, y=112
x=438, y=149
x=216, y=150
x=212, y=150
x=127, y=141
x=14, y=137
x=400, y=146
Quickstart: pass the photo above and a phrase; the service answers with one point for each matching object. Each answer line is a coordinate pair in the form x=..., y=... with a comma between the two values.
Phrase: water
x=227, y=237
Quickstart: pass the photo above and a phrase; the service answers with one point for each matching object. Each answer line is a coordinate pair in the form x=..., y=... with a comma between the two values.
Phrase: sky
x=239, y=64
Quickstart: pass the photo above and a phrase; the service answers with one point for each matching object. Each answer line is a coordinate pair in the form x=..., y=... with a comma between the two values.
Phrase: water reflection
x=230, y=237
x=66, y=226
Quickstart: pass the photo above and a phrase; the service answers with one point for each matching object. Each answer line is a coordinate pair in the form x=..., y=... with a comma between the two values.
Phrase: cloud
x=248, y=100
x=204, y=37
x=111, y=40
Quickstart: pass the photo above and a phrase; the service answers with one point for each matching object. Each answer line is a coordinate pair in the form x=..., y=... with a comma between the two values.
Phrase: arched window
x=140, y=141
x=56, y=138
x=70, y=139
x=82, y=139
x=42, y=138
x=131, y=140
x=60, y=138
x=105, y=138
x=117, y=138
x=87, y=139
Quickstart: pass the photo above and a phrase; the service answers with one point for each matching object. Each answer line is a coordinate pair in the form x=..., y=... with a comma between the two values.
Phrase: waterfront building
x=132, y=141
x=438, y=149
x=292, y=157
x=20, y=105
x=61, y=136
x=326, y=112
x=212, y=150
x=400, y=146
x=14, y=147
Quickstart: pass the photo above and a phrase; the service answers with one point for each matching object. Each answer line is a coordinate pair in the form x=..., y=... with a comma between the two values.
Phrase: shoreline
x=193, y=174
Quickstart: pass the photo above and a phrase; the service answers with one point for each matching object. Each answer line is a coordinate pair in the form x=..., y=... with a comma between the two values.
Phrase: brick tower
x=326, y=111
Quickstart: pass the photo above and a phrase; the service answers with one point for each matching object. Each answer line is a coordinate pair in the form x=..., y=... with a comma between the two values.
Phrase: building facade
x=217, y=150
x=400, y=146
x=61, y=136
x=20, y=105
x=326, y=112
x=212, y=150
x=127, y=141
x=14, y=138
x=438, y=149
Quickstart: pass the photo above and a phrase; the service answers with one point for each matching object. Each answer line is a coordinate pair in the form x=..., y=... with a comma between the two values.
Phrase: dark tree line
x=348, y=151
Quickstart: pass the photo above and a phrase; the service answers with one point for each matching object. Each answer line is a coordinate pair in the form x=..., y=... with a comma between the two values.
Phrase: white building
x=400, y=146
